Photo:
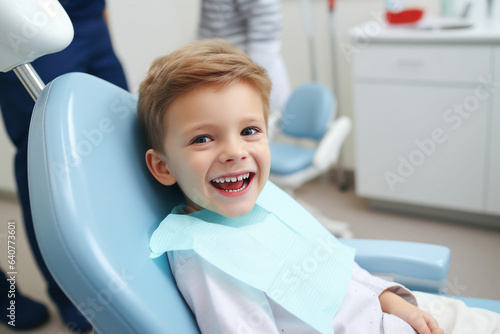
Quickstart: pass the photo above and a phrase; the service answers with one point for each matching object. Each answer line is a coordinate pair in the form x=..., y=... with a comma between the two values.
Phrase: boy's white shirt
x=275, y=248
x=223, y=304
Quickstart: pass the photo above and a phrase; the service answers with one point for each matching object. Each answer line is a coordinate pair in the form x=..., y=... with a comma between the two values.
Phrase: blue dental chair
x=311, y=137
x=95, y=205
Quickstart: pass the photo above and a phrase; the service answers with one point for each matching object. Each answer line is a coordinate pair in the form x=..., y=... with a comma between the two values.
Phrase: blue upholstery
x=422, y=267
x=309, y=115
x=308, y=112
x=95, y=206
x=288, y=158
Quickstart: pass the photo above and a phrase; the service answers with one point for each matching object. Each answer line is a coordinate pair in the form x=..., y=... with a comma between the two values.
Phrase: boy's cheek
x=192, y=165
x=266, y=160
x=201, y=199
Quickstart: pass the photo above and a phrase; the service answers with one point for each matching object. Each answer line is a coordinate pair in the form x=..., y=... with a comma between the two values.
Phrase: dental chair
x=95, y=206
x=309, y=138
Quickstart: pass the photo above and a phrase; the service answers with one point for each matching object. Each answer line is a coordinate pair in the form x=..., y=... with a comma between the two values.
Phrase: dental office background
x=142, y=31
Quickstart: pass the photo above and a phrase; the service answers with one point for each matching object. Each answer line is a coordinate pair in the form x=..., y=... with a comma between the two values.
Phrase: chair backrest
x=308, y=112
x=95, y=206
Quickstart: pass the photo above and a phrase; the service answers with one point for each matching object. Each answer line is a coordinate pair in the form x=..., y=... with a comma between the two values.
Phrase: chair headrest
x=35, y=28
x=308, y=111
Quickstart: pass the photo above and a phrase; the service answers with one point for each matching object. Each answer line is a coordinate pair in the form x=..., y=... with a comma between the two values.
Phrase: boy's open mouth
x=232, y=183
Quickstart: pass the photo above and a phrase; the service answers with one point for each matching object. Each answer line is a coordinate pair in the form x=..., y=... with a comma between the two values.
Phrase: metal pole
x=341, y=177
x=30, y=79
x=308, y=21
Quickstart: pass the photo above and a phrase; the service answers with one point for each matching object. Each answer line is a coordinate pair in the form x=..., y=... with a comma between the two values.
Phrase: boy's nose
x=233, y=151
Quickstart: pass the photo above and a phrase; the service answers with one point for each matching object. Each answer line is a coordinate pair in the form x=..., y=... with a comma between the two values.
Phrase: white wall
x=144, y=30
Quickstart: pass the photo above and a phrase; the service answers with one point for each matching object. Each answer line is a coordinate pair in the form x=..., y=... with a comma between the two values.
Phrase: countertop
x=425, y=31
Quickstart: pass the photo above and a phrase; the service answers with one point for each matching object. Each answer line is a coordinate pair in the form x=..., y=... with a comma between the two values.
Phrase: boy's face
x=216, y=148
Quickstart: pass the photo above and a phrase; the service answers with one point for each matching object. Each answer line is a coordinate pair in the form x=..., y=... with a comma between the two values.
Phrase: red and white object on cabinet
x=398, y=13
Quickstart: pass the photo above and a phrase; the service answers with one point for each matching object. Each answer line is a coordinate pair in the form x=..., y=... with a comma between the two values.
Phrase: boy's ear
x=159, y=168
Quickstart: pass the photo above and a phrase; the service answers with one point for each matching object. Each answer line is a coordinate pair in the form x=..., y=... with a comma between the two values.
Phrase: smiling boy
x=204, y=111
x=213, y=140
x=216, y=148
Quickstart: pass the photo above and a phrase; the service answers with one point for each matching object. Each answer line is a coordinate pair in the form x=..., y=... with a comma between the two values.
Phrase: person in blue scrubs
x=90, y=52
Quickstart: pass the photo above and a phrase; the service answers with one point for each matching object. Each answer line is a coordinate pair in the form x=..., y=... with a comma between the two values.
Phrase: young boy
x=204, y=111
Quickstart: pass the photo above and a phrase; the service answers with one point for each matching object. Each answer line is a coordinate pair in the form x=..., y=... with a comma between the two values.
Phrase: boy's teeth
x=236, y=190
x=232, y=183
x=232, y=179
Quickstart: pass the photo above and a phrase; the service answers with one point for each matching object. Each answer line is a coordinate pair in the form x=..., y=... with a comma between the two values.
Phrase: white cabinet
x=493, y=179
x=427, y=125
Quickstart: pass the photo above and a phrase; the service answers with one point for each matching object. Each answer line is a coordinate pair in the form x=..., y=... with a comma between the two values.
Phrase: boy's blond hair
x=200, y=63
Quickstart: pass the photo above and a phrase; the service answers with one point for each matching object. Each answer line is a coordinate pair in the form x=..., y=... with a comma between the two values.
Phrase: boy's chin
x=234, y=212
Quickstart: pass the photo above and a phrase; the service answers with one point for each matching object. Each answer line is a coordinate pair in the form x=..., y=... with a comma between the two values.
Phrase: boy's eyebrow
x=208, y=124
x=198, y=126
x=254, y=119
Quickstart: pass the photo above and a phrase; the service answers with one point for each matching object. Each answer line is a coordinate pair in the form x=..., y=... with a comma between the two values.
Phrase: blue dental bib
x=278, y=248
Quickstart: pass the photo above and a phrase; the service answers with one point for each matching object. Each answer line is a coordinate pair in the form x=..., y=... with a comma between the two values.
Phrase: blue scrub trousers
x=90, y=52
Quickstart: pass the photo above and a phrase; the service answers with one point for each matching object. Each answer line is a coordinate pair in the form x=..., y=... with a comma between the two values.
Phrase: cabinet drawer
x=440, y=63
x=394, y=164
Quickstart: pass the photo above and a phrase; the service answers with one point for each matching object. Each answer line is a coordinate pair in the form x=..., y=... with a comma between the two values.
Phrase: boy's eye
x=201, y=140
x=249, y=131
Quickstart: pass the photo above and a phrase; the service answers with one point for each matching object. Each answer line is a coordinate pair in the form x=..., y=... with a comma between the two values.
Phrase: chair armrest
x=328, y=150
x=418, y=266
